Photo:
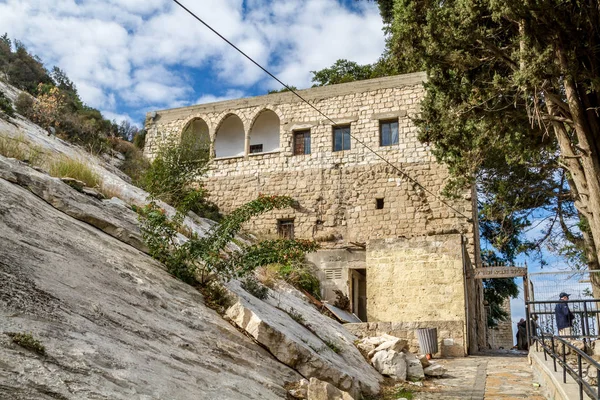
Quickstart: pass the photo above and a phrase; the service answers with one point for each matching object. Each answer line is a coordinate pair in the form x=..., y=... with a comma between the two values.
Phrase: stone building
x=390, y=244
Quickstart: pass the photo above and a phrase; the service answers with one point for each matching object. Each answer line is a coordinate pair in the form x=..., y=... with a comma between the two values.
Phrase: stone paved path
x=486, y=377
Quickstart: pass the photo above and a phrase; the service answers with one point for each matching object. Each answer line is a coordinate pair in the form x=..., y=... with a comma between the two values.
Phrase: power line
x=321, y=113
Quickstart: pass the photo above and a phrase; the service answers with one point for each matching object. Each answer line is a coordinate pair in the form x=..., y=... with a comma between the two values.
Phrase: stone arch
x=230, y=137
x=196, y=135
x=265, y=130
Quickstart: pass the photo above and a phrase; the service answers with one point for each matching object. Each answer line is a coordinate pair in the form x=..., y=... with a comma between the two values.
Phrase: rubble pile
x=390, y=356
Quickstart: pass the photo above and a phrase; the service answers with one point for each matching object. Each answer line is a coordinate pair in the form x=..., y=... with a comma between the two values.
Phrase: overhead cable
x=399, y=170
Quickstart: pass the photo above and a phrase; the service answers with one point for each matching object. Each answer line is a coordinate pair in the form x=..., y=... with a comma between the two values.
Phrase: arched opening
x=264, y=135
x=195, y=138
x=230, y=138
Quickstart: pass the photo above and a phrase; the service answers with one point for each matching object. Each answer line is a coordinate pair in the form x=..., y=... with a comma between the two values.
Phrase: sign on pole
x=498, y=272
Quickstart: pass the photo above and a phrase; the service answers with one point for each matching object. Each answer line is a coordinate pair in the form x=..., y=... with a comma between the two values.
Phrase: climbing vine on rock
x=197, y=258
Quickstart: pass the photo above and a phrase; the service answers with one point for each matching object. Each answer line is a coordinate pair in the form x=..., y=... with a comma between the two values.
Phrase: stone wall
x=417, y=279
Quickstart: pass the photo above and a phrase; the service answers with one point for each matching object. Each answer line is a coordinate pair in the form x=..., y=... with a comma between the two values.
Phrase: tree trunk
x=580, y=158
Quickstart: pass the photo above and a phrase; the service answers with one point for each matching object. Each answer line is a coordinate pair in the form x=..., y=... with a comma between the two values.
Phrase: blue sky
x=131, y=56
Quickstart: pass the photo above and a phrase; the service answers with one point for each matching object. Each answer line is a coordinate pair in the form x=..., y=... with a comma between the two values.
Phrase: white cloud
x=144, y=54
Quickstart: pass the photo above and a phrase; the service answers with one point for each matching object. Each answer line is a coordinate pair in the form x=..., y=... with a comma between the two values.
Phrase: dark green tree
x=343, y=71
x=512, y=105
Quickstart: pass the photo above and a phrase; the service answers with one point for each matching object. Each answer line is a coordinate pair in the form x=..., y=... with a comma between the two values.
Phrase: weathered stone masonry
x=413, y=243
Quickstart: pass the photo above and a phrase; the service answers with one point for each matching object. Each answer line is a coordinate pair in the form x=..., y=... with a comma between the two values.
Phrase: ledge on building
x=227, y=158
x=265, y=153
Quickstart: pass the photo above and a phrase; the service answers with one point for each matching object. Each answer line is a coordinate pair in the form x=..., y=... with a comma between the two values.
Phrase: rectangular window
x=379, y=204
x=341, y=138
x=285, y=228
x=302, y=142
x=388, y=132
x=256, y=148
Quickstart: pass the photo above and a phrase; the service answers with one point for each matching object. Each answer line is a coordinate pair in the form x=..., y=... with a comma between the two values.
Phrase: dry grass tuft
x=110, y=191
x=76, y=169
x=22, y=149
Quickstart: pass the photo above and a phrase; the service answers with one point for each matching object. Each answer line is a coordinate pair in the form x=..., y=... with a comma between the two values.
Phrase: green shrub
x=173, y=175
x=200, y=257
x=301, y=276
x=251, y=285
x=135, y=164
x=76, y=169
x=139, y=139
x=24, y=104
x=27, y=341
x=217, y=296
x=6, y=107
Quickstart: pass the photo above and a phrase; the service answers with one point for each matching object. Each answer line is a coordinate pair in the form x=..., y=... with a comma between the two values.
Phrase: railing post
x=586, y=323
x=553, y=353
x=564, y=358
x=579, y=373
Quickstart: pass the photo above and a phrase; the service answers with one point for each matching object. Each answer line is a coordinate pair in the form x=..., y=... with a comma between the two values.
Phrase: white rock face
x=115, y=325
x=435, y=370
x=390, y=363
x=306, y=350
x=414, y=369
x=301, y=392
x=319, y=390
x=112, y=217
x=368, y=344
x=395, y=344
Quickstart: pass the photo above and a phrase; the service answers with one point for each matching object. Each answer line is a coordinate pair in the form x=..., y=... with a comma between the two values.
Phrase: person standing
x=522, y=335
x=564, y=316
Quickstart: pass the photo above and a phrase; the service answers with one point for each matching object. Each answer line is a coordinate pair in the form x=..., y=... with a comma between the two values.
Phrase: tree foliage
x=55, y=103
x=512, y=105
x=343, y=71
x=173, y=175
x=199, y=258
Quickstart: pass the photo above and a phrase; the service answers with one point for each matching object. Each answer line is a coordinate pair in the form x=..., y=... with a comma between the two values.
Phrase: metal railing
x=542, y=319
x=550, y=345
x=542, y=330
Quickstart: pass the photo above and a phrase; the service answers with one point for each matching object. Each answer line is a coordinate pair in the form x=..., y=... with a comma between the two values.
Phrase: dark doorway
x=358, y=291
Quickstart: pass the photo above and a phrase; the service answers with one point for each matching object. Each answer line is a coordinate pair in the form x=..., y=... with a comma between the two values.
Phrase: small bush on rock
x=173, y=175
x=6, y=107
x=341, y=300
x=217, y=296
x=296, y=316
x=24, y=104
x=251, y=285
x=26, y=340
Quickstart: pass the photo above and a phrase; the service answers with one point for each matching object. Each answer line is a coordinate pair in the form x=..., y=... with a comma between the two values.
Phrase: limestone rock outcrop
x=435, y=370
x=316, y=346
x=390, y=363
x=114, y=324
x=112, y=217
x=319, y=390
